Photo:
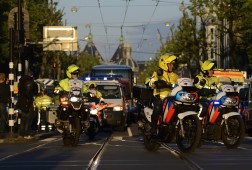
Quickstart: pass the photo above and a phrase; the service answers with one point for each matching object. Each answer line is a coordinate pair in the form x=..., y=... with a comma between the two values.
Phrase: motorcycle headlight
x=74, y=99
x=117, y=108
x=186, y=97
x=229, y=101
x=64, y=100
x=93, y=112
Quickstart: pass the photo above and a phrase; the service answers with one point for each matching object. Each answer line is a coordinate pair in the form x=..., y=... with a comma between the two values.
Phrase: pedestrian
x=27, y=91
x=4, y=101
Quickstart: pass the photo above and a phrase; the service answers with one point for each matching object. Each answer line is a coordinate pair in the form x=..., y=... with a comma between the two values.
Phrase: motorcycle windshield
x=76, y=92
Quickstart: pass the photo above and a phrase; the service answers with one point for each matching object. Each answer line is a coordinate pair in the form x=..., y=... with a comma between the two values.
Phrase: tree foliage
x=232, y=19
x=86, y=62
x=41, y=13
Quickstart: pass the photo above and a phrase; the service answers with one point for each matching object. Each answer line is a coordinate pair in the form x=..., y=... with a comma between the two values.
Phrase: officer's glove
x=162, y=84
x=202, y=82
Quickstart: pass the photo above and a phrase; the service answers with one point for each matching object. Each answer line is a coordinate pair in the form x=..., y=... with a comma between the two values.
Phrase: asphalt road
x=120, y=150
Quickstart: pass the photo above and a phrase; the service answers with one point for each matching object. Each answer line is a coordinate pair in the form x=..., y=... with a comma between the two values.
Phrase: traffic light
x=54, y=65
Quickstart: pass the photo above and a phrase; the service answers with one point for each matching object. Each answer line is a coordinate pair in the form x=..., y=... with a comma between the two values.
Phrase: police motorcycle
x=72, y=115
x=96, y=112
x=179, y=119
x=219, y=116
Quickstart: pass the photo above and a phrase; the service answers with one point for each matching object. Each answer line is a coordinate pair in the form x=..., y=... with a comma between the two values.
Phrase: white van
x=115, y=114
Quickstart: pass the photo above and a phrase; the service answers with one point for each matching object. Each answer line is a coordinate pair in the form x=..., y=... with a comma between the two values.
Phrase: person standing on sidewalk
x=27, y=91
x=4, y=100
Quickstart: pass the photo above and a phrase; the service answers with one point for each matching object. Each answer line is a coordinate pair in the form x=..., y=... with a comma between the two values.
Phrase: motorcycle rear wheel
x=235, y=134
x=192, y=134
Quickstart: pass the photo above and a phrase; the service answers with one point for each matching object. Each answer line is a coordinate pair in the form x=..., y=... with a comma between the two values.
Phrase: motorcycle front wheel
x=72, y=138
x=189, y=141
x=93, y=129
x=150, y=143
x=233, y=132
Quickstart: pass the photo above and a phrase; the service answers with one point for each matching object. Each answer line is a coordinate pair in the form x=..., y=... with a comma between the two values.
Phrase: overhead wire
x=105, y=28
x=127, y=6
x=144, y=27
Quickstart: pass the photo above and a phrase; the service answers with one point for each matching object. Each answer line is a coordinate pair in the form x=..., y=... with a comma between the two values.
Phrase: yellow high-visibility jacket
x=168, y=77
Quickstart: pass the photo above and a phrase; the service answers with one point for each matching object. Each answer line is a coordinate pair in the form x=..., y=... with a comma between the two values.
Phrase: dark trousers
x=26, y=121
x=2, y=117
x=157, y=110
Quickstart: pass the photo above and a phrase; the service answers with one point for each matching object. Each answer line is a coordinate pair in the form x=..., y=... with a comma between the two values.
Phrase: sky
x=139, y=21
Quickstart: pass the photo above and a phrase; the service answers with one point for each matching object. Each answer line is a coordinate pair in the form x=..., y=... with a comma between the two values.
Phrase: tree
x=86, y=62
x=233, y=16
x=41, y=14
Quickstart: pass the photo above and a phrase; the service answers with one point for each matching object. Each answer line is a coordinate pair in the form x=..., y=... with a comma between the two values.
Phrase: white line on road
x=129, y=131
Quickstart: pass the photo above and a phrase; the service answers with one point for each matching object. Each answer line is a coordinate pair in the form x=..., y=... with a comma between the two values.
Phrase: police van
x=113, y=93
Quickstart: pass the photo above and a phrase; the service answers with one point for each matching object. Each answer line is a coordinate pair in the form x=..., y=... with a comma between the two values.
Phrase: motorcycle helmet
x=166, y=59
x=207, y=65
x=92, y=85
x=72, y=69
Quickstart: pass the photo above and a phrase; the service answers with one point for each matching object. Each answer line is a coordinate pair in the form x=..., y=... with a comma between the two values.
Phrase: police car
x=115, y=114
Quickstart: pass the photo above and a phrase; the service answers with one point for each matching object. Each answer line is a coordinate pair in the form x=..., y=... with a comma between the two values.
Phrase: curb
x=19, y=139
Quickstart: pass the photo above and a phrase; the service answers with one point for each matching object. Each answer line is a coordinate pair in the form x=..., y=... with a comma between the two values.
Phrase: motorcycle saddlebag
x=142, y=92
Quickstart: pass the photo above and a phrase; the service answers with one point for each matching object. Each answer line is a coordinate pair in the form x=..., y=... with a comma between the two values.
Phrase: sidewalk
x=14, y=138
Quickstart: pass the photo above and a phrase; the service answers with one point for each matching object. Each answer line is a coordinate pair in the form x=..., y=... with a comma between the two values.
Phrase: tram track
x=94, y=162
x=191, y=164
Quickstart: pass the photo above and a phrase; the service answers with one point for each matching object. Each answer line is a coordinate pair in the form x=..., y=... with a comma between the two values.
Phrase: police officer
x=42, y=102
x=161, y=82
x=207, y=84
x=206, y=79
x=72, y=72
x=92, y=86
x=27, y=91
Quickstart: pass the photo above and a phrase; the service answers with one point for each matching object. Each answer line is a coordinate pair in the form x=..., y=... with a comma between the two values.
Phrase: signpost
x=60, y=38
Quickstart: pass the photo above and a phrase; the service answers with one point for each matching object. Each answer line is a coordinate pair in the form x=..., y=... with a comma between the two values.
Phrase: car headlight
x=186, y=97
x=229, y=101
x=117, y=108
x=74, y=99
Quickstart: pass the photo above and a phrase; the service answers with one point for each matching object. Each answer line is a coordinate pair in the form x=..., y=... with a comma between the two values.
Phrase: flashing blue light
x=87, y=78
x=216, y=103
x=105, y=78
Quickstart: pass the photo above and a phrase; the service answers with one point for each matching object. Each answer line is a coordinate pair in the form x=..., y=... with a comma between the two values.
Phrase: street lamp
x=74, y=9
x=182, y=7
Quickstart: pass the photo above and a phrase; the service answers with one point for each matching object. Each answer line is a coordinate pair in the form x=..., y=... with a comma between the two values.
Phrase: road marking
x=129, y=131
x=118, y=137
x=28, y=150
x=48, y=139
